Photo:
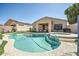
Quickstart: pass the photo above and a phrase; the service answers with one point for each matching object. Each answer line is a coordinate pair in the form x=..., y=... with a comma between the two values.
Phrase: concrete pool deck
x=65, y=35
x=65, y=49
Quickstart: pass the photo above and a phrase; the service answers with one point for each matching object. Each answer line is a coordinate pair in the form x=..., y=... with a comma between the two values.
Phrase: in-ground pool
x=35, y=42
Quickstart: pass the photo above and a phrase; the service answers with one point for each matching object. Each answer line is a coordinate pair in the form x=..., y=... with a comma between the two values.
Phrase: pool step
x=53, y=41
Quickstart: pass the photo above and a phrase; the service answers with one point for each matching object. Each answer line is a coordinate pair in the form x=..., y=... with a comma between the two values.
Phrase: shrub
x=32, y=30
x=2, y=47
x=76, y=41
x=1, y=51
x=1, y=36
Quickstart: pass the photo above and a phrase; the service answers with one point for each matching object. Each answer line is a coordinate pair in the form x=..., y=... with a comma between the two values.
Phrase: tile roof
x=18, y=22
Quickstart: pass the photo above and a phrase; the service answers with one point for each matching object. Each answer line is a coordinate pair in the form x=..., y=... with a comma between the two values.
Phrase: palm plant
x=2, y=47
x=72, y=13
x=3, y=43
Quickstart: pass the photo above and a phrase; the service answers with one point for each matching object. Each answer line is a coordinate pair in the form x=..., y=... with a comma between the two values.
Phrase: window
x=57, y=26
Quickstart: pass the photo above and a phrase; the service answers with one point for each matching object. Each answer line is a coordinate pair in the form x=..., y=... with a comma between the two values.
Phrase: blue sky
x=31, y=12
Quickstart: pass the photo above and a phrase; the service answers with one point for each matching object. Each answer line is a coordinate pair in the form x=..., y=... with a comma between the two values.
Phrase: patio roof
x=51, y=18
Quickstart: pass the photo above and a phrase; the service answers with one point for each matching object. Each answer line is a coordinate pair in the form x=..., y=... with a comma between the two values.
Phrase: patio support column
x=49, y=26
x=37, y=27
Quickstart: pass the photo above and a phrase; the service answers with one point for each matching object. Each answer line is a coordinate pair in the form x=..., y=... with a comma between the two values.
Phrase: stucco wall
x=23, y=28
x=19, y=28
x=73, y=27
x=64, y=24
x=6, y=28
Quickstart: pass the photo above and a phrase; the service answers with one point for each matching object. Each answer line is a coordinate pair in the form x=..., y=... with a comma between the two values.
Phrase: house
x=49, y=24
x=20, y=26
x=44, y=24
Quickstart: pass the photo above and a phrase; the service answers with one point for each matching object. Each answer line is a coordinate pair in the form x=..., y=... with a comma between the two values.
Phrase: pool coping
x=56, y=52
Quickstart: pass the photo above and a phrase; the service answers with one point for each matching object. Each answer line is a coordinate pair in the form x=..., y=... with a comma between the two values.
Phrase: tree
x=72, y=13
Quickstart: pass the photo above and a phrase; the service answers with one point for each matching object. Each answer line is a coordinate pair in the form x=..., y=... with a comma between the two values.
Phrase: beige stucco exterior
x=50, y=22
x=20, y=26
x=73, y=27
x=5, y=28
x=23, y=28
x=35, y=25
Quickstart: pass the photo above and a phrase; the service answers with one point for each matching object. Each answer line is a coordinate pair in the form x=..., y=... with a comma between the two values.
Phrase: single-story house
x=20, y=26
x=49, y=24
x=44, y=24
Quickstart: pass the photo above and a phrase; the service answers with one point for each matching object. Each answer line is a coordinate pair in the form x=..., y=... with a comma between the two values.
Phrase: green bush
x=76, y=41
x=1, y=36
x=1, y=51
x=2, y=47
x=32, y=30
x=2, y=32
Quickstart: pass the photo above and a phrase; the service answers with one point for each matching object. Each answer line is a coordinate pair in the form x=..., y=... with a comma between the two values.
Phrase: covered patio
x=44, y=27
x=49, y=24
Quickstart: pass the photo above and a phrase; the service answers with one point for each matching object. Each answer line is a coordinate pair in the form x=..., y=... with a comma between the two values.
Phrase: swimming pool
x=35, y=42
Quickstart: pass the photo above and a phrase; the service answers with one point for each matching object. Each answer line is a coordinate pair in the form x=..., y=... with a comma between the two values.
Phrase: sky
x=31, y=12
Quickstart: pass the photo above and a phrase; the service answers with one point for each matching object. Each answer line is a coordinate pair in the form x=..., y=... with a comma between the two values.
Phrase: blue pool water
x=35, y=42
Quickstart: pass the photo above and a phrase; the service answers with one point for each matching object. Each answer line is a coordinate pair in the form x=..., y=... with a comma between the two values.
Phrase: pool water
x=35, y=42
